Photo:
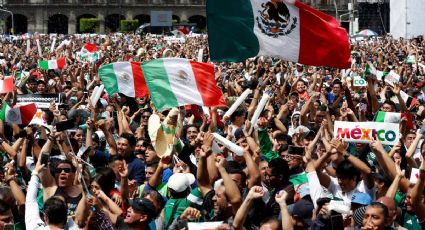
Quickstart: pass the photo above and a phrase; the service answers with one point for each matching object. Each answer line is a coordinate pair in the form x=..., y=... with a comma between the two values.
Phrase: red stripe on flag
x=27, y=113
x=7, y=85
x=140, y=87
x=61, y=63
x=207, y=86
x=322, y=41
x=90, y=47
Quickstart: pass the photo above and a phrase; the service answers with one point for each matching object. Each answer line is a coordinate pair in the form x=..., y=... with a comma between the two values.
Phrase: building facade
x=63, y=16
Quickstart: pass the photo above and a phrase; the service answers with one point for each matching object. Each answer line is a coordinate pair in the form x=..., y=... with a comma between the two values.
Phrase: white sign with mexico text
x=360, y=82
x=365, y=132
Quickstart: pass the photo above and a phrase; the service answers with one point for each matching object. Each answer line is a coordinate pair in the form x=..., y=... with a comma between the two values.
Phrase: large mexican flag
x=291, y=30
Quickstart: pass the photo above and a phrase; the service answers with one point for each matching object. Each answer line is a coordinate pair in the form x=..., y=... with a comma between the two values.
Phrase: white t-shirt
x=336, y=191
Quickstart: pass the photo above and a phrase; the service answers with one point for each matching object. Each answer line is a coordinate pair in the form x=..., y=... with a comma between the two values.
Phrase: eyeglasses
x=145, y=117
x=66, y=170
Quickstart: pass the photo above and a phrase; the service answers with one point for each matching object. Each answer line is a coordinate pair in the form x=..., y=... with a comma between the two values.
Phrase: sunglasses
x=66, y=170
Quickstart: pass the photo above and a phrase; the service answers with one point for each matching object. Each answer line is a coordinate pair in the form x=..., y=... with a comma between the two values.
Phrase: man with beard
x=125, y=148
x=294, y=159
x=277, y=179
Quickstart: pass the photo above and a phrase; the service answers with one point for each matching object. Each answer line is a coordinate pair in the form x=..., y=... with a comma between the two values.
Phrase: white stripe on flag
x=52, y=64
x=182, y=81
x=287, y=46
x=13, y=116
x=124, y=75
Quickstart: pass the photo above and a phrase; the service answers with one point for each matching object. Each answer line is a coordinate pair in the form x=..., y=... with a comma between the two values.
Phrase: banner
x=90, y=57
x=42, y=101
x=360, y=82
x=161, y=18
x=365, y=132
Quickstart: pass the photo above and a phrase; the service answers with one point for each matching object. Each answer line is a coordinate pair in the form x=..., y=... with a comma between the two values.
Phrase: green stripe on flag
x=159, y=86
x=3, y=111
x=44, y=65
x=109, y=79
x=231, y=30
x=367, y=71
x=380, y=116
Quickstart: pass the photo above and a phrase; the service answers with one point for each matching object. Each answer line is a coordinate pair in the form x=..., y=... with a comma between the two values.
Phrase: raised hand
x=256, y=192
x=281, y=197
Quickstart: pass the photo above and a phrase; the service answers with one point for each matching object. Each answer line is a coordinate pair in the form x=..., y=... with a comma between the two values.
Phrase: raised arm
x=232, y=190
x=286, y=218
x=254, y=193
x=105, y=127
x=202, y=175
x=416, y=194
x=387, y=164
x=392, y=190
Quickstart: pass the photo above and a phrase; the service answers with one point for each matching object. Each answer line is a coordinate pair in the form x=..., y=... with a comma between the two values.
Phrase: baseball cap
x=361, y=198
x=143, y=205
x=179, y=182
x=303, y=209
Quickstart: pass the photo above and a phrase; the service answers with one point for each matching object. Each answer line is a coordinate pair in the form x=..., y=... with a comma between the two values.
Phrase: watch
x=1, y=140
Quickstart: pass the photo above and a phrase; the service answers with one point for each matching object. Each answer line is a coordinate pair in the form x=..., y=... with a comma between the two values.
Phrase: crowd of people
x=104, y=172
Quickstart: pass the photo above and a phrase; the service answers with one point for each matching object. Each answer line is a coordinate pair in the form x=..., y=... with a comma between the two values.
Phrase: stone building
x=63, y=16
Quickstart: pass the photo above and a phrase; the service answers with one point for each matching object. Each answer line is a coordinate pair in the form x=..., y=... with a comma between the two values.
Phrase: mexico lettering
x=365, y=132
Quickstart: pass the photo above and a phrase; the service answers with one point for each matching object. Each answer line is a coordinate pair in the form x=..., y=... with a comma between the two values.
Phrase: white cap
x=180, y=181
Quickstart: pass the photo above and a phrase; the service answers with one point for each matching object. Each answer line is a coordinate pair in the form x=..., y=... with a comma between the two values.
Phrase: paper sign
x=392, y=78
x=365, y=132
x=414, y=175
x=42, y=101
x=204, y=225
x=360, y=82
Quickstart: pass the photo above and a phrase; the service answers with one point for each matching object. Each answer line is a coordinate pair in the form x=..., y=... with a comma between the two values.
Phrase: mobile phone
x=62, y=106
x=86, y=94
x=64, y=125
x=337, y=222
x=45, y=158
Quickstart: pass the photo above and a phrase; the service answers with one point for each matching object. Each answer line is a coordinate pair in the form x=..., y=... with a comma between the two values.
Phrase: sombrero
x=163, y=134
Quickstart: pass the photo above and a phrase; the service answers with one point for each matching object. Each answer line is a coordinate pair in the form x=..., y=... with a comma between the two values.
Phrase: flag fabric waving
x=124, y=77
x=89, y=48
x=289, y=29
x=52, y=64
x=173, y=82
x=20, y=114
x=6, y=85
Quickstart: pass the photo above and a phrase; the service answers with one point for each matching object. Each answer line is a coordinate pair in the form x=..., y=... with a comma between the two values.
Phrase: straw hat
x=162, y=134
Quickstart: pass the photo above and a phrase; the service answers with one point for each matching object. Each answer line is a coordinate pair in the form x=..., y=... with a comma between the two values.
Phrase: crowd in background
x=293, y=173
